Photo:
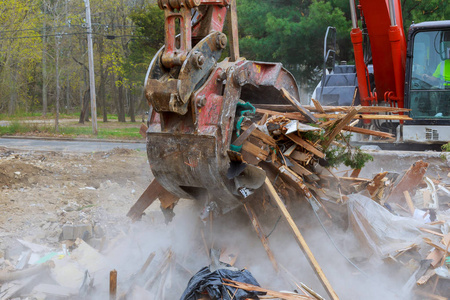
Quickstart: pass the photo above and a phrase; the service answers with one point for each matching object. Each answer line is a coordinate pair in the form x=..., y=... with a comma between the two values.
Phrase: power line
x=107, y=36
x=83, y=25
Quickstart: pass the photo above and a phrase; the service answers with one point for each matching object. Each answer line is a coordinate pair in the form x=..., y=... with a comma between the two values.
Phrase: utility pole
x=91, y=68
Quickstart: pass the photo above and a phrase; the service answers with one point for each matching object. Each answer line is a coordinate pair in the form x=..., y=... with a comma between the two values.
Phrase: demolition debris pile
x=401, y=219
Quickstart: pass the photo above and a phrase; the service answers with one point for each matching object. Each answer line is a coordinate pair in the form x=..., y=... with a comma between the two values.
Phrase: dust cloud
x=233, y=232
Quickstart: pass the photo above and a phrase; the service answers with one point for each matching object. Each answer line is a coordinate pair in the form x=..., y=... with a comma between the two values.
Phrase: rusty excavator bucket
x=196, y=102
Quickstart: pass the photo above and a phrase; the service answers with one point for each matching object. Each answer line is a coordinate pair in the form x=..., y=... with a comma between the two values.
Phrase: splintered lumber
x=409, y=202
x=311, y=291
x=153, y=192
x=438, y=246
x=337, y=129
x=146, y=264
x=365, y=117
x=112, y=285
x=289, y=115
x=429, y=296
x=243, y=137
x=255, y=288
x=298, y=168
x=410, y=180
x=368, y=132
x=325, y=109
x=300, y=156
x=360, y=116
x=262, y=136
x=259, y=231
x=318, y=106
x=15, y=275
x=301, y=142
x=306, y=113
x=143, y=130
x=300, y=240
x=376, y=184
x=431, y=231
x=255, y=150
x=158, y=271
x=296, y=180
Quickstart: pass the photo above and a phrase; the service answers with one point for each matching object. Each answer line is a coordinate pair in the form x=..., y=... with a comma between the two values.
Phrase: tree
x=290, y=32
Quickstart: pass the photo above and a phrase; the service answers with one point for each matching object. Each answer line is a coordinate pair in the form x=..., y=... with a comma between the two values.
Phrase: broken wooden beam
x=300, y=240
x=360, y=116
x=112, y=285
x=303, y=111
x=259, y=231
x=410, y=180
x=250, y=287
x=243, y=137
x=368, y=131
x=325, y=109
x=330, y=136
x=301, y=142
x=153, y=192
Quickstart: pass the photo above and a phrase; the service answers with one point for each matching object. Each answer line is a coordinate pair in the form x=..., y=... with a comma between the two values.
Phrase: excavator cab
x=429, y=85
x=427, y=82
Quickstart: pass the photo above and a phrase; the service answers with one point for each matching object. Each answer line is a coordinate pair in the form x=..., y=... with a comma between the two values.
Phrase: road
x=67, y=145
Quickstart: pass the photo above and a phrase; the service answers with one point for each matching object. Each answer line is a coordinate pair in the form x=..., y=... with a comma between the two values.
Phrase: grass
x=71, y=129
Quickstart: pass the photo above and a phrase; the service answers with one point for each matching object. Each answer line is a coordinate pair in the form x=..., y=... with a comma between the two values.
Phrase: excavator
x=196, y=98
x=391, y=70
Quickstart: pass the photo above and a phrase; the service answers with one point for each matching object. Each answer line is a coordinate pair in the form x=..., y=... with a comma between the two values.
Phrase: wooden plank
x=143, y=130
x=313, y=108
x=360, y=116
x=410, y=180
x=296, y=180
x=255, y=150
x=153, y=192
x=112, y=285
x=429, y=296
x=409, y=202
x=289, y=115
x=431, y=231
x=270, y=293
x=263, y=119
x=289, y=151
x=368, y=132
x=355, y=173
x=438, y=246
x=299, y=169
x=232, y=24
x=243, y=137
x=259, y=231
x=318, y=106
x=330, y=136
x=374, y=186
x=300, y=240
x=300, y=156
x=299, y=141
x=306, y=113
x=267, y=139
x=364, y=117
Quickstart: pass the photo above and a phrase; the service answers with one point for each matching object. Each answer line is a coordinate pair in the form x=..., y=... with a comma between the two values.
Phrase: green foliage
x=420, y=10
x=354, y=158
x=17, y=127
x=446, y=147
x=149, y=39
x=291, y=32
x=108, y=130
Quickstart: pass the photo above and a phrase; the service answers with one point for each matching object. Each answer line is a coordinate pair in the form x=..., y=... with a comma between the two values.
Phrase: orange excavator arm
x=384, y=23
